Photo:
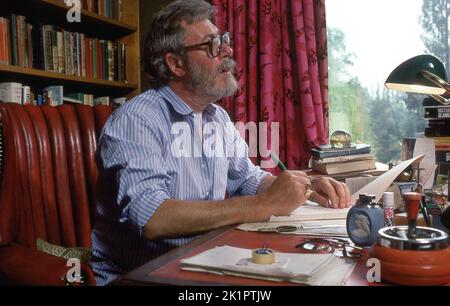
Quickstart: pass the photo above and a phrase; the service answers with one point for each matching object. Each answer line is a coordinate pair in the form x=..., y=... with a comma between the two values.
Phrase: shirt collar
x=179, y=105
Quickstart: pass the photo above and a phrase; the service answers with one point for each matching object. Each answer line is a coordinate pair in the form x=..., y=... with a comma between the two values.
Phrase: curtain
x=281, y=50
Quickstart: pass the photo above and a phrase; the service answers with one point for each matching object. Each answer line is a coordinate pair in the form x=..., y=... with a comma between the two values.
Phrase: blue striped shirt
x=155, y=148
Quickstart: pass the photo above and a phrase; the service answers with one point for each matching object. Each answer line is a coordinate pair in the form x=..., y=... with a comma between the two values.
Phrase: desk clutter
x=311, y=269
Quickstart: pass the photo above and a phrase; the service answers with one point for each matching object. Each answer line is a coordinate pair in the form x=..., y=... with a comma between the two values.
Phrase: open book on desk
x=312, y=211
x=311, y=269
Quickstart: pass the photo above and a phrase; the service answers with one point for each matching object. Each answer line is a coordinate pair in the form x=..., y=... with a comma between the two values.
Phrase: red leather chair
x=47, y=188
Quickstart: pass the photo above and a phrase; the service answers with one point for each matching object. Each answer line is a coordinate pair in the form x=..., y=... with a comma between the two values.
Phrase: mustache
x=228, y=64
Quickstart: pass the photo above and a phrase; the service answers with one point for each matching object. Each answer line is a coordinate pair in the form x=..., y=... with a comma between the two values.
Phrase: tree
x=347, y=96
x=388, y=112
x=435, y=24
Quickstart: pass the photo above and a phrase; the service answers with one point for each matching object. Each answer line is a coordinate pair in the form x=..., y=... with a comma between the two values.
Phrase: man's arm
x=266, y=183
x=175, y=218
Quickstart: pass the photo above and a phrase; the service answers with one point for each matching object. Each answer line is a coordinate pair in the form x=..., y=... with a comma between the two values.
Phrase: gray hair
x=166, y=35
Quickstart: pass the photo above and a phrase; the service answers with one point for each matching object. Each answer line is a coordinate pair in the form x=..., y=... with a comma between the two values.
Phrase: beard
x=204, y=81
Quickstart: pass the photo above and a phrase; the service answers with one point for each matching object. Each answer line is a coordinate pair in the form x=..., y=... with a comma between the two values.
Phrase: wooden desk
x=165, y=269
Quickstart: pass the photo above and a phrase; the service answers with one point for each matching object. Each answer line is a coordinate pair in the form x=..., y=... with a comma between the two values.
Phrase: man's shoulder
x=147, y=105
x=147, y=101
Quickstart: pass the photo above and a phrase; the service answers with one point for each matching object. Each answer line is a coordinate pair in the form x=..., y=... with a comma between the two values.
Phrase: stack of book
x=438, y=116
x=329, y=160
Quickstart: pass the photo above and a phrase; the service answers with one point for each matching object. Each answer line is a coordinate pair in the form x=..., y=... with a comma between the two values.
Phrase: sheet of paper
x=312, y=211
x=336, y=228
x=382, y=183
x=426, y=146
x=356, y=183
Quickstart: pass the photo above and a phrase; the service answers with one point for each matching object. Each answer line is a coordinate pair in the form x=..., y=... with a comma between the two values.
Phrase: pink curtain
x=281, y=50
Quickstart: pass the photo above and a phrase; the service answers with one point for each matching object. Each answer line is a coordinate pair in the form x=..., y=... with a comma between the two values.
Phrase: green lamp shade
x=409, y=76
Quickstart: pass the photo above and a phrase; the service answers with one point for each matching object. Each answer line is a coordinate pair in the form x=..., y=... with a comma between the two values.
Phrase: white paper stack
x=311, y=269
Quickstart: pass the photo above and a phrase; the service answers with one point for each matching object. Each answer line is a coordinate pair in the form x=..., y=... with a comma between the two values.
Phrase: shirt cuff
x=252, y=184
x=145, y=207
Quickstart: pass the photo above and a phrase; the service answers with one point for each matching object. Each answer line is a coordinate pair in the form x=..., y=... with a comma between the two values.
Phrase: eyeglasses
x=339, y=247
x=214, y=44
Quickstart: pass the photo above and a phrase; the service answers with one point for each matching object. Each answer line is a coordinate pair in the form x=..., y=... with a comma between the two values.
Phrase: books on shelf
x=311, y=269
x=52, y=48
x=107, y=8
x=52, y=95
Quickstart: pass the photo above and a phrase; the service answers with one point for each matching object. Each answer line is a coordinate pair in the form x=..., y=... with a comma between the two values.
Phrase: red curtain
x=281, y=50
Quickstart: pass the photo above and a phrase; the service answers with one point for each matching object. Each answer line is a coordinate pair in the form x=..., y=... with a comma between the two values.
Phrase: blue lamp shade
x=423, y=74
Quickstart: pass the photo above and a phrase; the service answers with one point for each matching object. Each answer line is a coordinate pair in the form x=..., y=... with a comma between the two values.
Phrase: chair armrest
x=20, y=265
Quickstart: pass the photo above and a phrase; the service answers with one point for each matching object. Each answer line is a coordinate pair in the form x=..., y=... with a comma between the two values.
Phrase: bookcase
x=122, y=29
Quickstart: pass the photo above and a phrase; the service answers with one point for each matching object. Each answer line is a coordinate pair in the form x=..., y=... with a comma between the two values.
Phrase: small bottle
x=388, y=205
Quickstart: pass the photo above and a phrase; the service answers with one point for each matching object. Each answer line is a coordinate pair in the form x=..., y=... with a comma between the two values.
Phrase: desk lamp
x=424, y=74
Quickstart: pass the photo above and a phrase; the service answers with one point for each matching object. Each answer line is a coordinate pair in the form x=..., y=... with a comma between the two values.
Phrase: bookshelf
x=53, y=12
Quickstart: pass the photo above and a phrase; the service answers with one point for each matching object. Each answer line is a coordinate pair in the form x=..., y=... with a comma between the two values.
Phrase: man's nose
x=226, y=50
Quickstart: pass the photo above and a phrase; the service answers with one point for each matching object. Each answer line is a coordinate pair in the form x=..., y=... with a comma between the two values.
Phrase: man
x=158, y=187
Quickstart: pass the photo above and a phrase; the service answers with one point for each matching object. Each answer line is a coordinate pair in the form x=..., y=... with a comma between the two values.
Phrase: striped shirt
x=155, y=148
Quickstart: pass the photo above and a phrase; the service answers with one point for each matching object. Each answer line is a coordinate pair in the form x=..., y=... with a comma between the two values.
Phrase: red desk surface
x=166, y=269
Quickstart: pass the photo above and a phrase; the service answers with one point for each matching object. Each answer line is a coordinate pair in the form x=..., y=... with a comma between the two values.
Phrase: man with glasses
x=162, y=181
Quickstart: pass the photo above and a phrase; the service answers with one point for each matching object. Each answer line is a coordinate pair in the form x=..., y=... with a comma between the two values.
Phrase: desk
x=165, y=270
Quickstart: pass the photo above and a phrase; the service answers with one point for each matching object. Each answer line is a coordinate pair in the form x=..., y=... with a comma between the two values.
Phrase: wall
x=148, y=8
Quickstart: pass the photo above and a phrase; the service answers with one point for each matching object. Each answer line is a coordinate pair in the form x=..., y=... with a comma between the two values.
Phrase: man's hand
x=326, y=188
x=286, y=193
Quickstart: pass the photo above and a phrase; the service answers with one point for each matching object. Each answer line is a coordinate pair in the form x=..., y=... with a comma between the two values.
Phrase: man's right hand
x=286, y=193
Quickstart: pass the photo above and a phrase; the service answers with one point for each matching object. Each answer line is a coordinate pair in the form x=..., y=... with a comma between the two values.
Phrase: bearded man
x=156, y=192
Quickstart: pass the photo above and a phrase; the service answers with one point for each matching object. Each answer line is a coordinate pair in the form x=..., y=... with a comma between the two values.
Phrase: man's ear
x=175, y=64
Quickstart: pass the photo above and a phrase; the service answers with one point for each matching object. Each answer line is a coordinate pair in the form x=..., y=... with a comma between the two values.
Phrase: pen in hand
x=282, y=167
x=278, y=162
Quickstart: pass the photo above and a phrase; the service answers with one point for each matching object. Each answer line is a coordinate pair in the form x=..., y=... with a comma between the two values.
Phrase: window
x=366, y=41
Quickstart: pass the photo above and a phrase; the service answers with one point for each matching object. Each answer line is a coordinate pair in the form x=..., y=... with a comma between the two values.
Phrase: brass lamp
x=423, y=74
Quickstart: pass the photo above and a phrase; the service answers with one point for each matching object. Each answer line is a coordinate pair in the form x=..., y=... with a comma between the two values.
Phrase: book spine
x=437, y=132
x=442, y=156
x=13, y=32
x=437, y=113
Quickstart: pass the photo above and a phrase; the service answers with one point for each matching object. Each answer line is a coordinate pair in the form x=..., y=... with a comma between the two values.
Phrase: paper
x=312, y=211
x=356, y=183
x=312, y=269
x=382, y=183
x=426, y=146
x=335, y=228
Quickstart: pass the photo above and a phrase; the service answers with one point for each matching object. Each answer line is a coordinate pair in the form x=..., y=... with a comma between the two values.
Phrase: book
x=328, y=147
x=55, y=95
x=11, y=92
x=437, y=112
x=340, y=159
x=344, y=167
x=358, y=149
x=102, y=101
x=437, y=131
x=311, y=211
x=311, y=269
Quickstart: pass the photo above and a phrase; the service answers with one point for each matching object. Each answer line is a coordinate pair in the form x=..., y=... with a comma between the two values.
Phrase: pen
x=278, y=162
x=282, y=167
